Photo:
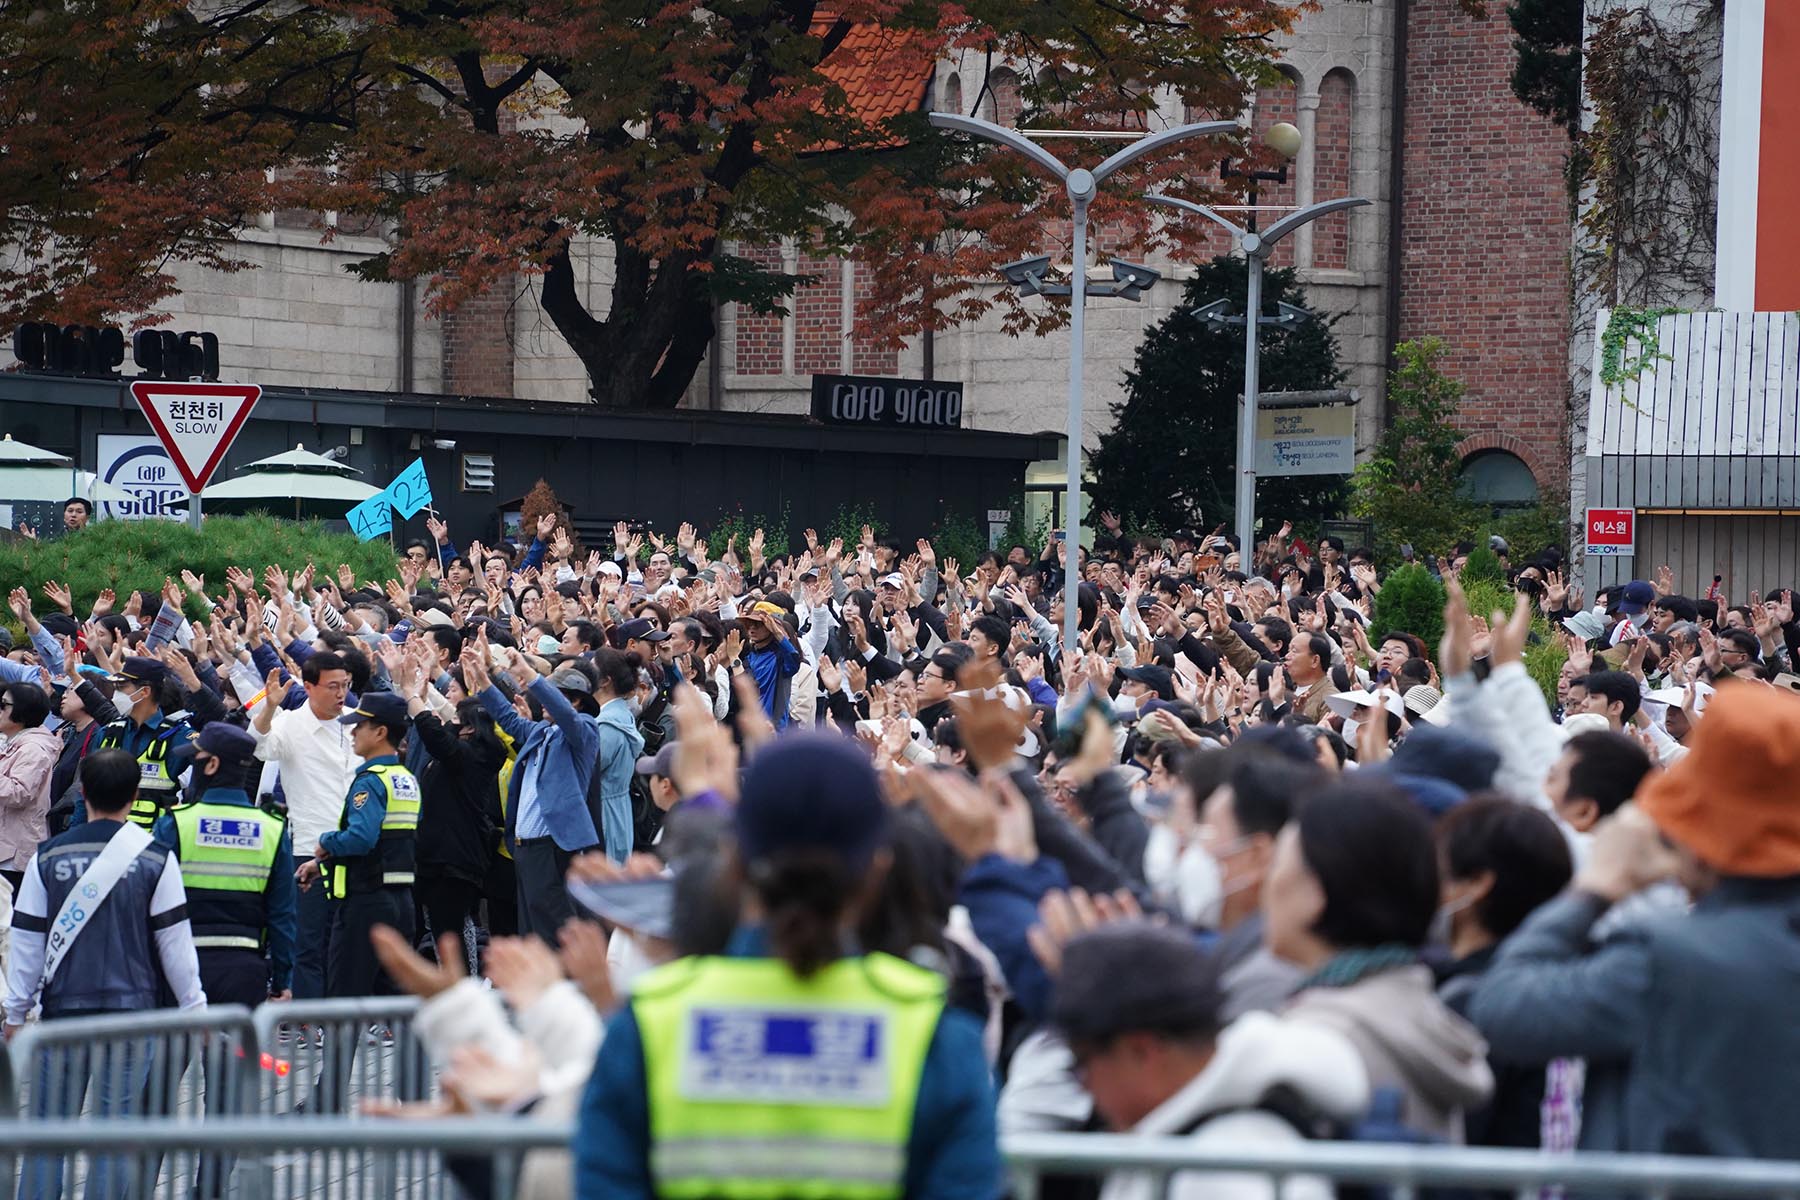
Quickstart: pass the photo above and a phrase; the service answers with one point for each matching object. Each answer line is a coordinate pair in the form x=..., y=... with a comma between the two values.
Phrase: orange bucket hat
x=1734, y=799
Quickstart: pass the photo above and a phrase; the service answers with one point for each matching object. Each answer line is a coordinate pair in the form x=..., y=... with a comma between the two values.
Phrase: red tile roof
x=884, y=72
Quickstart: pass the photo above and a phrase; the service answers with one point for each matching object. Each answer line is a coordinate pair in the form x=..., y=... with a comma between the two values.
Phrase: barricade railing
x=484, y=1155
x=176, y=1065
x=1399, y=1171
x=328, y=1054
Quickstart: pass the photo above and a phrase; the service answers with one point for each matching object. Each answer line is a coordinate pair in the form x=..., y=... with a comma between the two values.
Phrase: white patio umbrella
x=13, y=453
x=29, y=472
x=296, y=475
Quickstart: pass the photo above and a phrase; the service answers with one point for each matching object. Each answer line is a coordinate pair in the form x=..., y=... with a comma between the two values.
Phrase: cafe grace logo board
x=872, y=402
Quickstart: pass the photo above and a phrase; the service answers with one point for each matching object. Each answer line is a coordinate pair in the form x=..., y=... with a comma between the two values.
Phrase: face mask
x=1351, y=726
x=1443, y=921
x=1200, y=886
x=635, y=705
x=548, y=645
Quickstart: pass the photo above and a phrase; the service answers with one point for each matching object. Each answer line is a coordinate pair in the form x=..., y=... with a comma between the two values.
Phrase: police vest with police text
x=390, y=863
x=157, y=787
x=227, y=852
x=762, y=1084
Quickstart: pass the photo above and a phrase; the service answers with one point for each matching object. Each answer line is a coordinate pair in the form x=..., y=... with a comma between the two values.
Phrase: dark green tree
x=1409, y=486
x=1170, y=457
x=1547, y=75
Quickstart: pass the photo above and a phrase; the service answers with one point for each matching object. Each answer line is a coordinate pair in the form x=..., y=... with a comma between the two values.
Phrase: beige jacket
x=26, y=762
x=1312, y=705
x=1409, y=1042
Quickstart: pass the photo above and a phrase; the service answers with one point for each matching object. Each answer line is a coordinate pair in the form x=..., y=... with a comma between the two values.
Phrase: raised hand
x=58, y=594
x=275, y=579
x=1556, y=591
x=195, y=584
x=1065, y=916
x=927, y=556
x=103, y=603
x=1664, y=583
x=412, y=970
x=438, y=529
x=582, y=952
x=180, y=667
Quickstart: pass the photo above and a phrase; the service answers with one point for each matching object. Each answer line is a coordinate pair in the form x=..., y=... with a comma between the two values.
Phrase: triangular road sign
x=196, y=422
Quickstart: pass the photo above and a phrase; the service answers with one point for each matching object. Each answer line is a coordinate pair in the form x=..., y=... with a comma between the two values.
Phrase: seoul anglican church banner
x=1310, y=440
x=874, y=402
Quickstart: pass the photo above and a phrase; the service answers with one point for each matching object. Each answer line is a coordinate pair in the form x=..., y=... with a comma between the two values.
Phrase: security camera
x=1133, y=278
x=1027, y=274
x=1216, y=313
x=444, y=443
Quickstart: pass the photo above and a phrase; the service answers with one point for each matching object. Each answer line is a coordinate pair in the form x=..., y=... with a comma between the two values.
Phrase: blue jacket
x=952, y=1155
x=772, y=666
x=610, y=794
x=280, y=897
x=566, y=746
x=1002, y=898
x=1700, y=1004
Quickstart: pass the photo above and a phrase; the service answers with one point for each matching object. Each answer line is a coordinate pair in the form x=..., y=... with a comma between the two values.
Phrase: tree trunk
x=644, y=355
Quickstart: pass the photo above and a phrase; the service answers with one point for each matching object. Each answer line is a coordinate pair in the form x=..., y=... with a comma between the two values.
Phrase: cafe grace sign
x=869, y=401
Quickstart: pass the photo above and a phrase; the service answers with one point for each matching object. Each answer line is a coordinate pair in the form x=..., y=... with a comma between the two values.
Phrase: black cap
x=227, y=743
x=1159, y=678
x=1135, y=977
x=139, y=669
x=640, y=629
x=811, y=791
x=385, y=707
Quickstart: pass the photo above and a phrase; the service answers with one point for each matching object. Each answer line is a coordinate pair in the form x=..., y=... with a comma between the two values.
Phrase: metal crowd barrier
x=296, y=1060
x=482, y=1155
x=168, y=1064
x=1400, y=1171
x=324, y=1054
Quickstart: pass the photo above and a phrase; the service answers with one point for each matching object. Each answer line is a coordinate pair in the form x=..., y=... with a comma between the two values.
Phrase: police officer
x=237, y=863
x=794, y=1065
x=162, y=744
x=367, y=863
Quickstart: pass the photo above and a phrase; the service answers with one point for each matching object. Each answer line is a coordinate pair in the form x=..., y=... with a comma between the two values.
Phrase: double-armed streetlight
x=1031, y=276
x=1257, y=247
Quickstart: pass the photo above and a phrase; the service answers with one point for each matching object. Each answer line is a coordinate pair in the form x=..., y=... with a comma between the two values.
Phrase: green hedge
x=1411, y=600
x=139, y=554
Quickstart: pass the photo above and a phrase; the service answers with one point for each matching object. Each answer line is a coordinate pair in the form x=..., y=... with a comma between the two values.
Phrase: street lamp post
x=1256, y=247
x=1129, y=280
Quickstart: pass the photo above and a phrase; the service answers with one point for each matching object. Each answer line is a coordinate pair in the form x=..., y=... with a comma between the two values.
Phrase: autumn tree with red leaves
x=493, y=135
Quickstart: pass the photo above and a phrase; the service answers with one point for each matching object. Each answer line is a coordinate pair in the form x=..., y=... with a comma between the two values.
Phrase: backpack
x=646, y=817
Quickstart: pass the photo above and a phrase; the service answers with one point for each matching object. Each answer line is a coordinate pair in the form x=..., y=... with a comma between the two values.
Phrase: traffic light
x=70, y=349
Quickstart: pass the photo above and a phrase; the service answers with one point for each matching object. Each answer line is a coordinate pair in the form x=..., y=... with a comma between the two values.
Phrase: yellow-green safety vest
x=390, y=863
x=157, y=788
x=766, y=1086
x=227, y=852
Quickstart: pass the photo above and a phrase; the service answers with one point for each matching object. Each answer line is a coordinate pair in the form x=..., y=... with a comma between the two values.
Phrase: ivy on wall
x=1625, y=326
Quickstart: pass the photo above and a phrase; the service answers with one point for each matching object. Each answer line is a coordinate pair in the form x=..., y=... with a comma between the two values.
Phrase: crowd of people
x=812, y=873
